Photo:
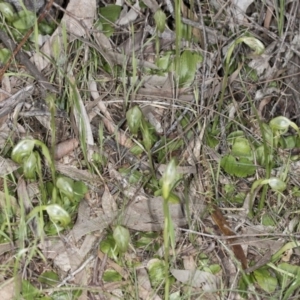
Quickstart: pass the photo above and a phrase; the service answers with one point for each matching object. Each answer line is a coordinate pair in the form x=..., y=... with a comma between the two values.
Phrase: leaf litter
x=258, y=85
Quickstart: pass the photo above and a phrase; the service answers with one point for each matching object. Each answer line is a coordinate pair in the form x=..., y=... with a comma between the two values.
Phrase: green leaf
x=241, y=147
x=289, y=268
x=267, y=220
x=289, y=142
x=29, y=292
x=111, y=276
x=229, y=189
x=108, y=246
x=4, y=55
x=26, y=20
x=268, y=133
x=66, y=295
x=292, y=288
x=232, y=195
x=164, y=61
x=80, y=189
x=122, y=237
x=251, y=73
x=242, y=168
x=235, y=134
x=136, y=150
x=46, y=28
x=197, y=58
x=147, y=239
x=156, y=270
x=135, y=177
x=174, y=199
x=215, y=268
x=109, y=14
x=261, y=158
x=267, y=282
x=188, y=67
x=49, y=277
x=243, y=284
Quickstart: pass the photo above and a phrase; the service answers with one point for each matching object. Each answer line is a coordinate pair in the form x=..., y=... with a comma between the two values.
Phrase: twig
x=7, y=105
x=79, y=269
x=220, y=237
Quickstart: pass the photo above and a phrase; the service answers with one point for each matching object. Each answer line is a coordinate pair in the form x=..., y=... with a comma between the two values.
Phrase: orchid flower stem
x=166, y=247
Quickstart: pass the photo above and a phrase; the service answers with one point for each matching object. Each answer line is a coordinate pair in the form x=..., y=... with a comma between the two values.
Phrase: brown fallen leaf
x=205, y=281
x=223, y=225
x=7, y=166
x=268, y=17
x=76, y=173
x=65, y=148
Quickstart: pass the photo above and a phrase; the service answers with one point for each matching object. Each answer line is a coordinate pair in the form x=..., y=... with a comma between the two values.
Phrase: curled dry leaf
x=76, y=174
x=189, y=262
x=225, y=228
x=131, y=16
x=120, y=136
x=152, y=4
x=151, y=113
x=12, y=200
x=122, y=271
x=7, y=166
x=24, y=197
x=240, y=7
x=132, y=44
x=118, y=59
x=6, y=88
x=8, y=104
x=94, y=91
x=157, y=80
x=152, y=211
x=199, y=279
x=100, y=104
x=269, y=16
x=65, y=148
x=179, y=169
x=109, y=204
